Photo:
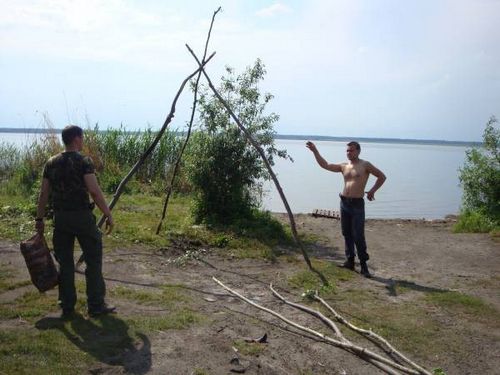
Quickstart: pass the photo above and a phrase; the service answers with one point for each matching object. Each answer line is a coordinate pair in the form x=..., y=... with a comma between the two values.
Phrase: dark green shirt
x=65, y=173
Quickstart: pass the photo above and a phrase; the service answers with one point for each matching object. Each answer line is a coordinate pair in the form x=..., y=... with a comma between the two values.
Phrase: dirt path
x=408, y=259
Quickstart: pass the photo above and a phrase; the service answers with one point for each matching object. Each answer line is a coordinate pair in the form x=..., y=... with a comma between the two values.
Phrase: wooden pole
x=193, y=111
x=266, y=163
x=150, y=149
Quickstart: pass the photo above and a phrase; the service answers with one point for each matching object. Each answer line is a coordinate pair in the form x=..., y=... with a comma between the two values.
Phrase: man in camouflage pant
x=68, y=178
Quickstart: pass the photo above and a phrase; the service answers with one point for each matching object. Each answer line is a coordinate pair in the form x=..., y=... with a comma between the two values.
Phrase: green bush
x=221, y=174
x=225, y=171
x=10, y=159
x=474, y=222
x=480, y=179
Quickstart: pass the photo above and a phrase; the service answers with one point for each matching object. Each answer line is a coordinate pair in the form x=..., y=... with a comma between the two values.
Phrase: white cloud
x=273, y=10
x=94, y=30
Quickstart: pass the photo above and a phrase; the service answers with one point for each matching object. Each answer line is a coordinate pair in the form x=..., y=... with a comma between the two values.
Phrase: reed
x=113, y=152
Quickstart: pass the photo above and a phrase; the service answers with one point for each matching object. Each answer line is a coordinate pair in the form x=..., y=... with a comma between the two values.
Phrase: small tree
x=480, y=176
x=226, y=172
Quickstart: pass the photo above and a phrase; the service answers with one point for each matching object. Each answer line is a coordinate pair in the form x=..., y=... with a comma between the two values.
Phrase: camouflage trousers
x=79, y=224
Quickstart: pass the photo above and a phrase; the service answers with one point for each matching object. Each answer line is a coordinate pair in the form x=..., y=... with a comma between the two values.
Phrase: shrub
x=474, y=222
x=226, y=172
x=480, y=179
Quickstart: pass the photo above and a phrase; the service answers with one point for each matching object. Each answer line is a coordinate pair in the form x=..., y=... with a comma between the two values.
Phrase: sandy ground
x=421, y=255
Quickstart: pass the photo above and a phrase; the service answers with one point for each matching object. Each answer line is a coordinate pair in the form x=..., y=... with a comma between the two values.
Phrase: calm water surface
x=18, y=139
x=422, y=180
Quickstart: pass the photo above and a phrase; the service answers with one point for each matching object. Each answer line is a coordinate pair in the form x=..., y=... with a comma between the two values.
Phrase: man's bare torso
x=355, y=178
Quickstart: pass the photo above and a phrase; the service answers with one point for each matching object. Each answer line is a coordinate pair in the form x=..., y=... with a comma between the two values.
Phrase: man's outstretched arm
x=321, y=161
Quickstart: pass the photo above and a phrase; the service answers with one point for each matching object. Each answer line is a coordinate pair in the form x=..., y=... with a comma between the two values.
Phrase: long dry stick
x=364, y=353
x=186, y=140
x=373, y=337
x=313, y=312
x=266, y=163
x=150, y=149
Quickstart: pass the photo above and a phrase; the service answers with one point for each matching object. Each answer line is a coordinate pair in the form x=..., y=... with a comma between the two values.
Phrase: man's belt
x=350, y=200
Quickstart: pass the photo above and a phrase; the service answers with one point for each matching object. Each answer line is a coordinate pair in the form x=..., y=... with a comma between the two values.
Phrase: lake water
x=422, y=180
x=18, y=139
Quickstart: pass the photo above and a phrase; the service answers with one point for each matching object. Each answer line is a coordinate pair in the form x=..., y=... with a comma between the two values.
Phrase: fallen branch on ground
x=372, y=336
x=387, y=365
x=315, y=313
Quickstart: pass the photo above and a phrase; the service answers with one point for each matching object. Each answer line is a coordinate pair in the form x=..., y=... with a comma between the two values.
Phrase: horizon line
x=280, y=136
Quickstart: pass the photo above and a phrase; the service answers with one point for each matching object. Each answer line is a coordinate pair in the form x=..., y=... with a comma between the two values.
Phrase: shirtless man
x=352, y=205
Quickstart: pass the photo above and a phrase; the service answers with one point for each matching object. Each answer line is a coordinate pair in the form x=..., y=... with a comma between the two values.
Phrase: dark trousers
x=81, y=225
x=352, y=219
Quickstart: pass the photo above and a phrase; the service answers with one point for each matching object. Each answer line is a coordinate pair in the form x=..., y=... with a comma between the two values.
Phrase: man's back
x=65, y=173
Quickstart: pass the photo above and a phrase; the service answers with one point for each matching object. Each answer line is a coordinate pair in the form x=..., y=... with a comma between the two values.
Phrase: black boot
x=104, y=309
x=364, y=270
x=349, y=264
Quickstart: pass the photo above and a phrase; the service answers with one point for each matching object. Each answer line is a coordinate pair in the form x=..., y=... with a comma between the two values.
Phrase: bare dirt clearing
x=415, y=265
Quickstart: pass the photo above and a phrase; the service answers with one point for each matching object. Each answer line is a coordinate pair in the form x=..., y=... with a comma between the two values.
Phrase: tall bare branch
x=150, y=149
x=266, y=163
x=186, y=140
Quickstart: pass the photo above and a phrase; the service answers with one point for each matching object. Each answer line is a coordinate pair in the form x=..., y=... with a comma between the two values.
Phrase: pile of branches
x=394, y=363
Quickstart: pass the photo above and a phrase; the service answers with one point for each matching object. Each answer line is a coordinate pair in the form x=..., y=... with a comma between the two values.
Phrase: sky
x=422, y=69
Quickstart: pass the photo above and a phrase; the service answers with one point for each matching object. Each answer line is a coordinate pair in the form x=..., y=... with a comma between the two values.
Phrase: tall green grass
x=113, y=151
x=476, y=222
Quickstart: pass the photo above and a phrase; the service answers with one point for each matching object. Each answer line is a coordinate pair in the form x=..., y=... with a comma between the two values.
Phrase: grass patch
x=475, y=222
x=407, y=325
x=177, y=319
x=249, y=348
x=172, y=297
x=456, y=302
x=200, y=371
x=137, y=216
x=169, y=296
x=29, y=306
x=307, y=280
x=7, y=282
x=39, y=352
x=4, y=286
x=16, y=218
x=82, y=341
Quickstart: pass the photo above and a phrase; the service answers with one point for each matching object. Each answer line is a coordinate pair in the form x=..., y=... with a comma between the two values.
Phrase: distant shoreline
x=300, y=138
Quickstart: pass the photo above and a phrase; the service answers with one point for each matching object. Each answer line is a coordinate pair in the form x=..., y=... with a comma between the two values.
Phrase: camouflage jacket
x=65, y=173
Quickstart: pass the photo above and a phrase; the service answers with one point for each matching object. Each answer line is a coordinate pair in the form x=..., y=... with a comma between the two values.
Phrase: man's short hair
x=70, y=132
x=355, y=144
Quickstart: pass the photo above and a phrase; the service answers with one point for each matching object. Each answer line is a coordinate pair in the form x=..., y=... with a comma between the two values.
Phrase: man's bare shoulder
x=365, y=163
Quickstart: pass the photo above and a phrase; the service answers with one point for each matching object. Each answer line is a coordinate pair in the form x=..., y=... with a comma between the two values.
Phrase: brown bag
x=40, y=264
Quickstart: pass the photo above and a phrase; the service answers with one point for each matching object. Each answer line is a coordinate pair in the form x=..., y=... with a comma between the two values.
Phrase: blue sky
x=403, y=69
